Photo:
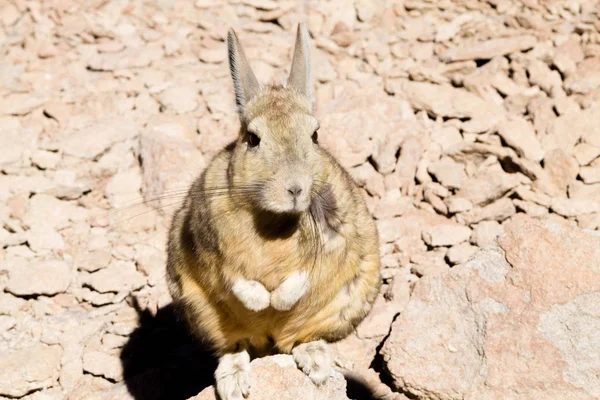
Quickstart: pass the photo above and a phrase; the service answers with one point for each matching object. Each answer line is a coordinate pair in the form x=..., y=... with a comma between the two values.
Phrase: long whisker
x=235, y=191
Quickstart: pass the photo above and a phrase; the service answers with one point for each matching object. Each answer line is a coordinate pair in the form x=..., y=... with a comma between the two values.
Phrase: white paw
x=290, y=291
x=233, y=376
x=314, y=359
x=252, y=294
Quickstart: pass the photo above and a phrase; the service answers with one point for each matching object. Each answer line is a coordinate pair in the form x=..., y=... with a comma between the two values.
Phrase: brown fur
x=222, y=232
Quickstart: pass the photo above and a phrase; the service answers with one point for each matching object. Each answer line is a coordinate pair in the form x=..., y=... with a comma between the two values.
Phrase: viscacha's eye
x=315, y=137
x=253, y=140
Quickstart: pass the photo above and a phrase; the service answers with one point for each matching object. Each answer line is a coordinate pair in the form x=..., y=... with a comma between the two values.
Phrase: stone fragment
x=42, y=240
x=585, y=153
x=542, y=283
x=541, y=75
x=567, y=55
x=102, y=364
x=525, y=193
x=458, y=204
x=21, y=103
x=489, y=49
x=404, y=138
x=128, y=58
x=28, y=369
x=16, y=143
x=95, y=139
x=355, y=122
x=366, y=10
x=581, y=191
x=119, y=276
x=9, y=304
x=366, y=176
x=567, y=130
x=530, y=208
x=415, y=221
x=429, y=270
x=45, y=159
x=499, y=210
x=587, y=77
x=7, y=323
x=573, y=208
x=211, y=56
x=507, y=86
x=377, y=324
x=393, y=204
x=446, y=136
x=432, y=257
x=446, y=235
x=448, y=30
x=446, y=101
x=66, y=185
x=47, y=211
x=591, y=174
x=436, y=189
x=277, y=377
x=489, y=185
x=448, y=172
x=460, y=253
x=436, y=202
x=485, y=233
x=170, y=162
x=47, y=51
x=589, y=221
x=403, y=177
x=33, y=278
x=124, y=188
x=179, y=99
x=560, y=169
x=151, y=262
x=519, y=135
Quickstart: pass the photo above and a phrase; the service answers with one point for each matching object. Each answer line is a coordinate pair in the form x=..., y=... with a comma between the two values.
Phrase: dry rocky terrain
x=473, y=128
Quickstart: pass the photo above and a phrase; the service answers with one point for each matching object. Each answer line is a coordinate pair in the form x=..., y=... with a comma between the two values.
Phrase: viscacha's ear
x=244, y=81
x=300, y=74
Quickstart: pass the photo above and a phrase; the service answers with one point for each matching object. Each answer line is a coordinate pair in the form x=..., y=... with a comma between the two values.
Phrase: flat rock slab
x=489, y=49
x=519, y=320
x=28, y=369
x=277, y=377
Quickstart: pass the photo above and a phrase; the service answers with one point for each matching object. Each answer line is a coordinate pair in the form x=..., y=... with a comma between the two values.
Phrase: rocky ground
x=463, y=121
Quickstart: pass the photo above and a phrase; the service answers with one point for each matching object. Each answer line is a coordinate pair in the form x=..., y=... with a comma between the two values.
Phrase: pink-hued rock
x=277, y=377
x=170, y=162
x=28, y=369
x=520, y=317
x=352, y=125
x=489, y=49
x=520, y=135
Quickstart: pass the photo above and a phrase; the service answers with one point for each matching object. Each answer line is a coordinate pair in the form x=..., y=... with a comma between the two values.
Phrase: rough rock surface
x=28, y=369
x=454, y=117
x=519, y=317
x=277, y=377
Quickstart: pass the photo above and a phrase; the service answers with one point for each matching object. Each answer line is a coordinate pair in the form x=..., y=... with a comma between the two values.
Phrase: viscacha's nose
x=295, y=190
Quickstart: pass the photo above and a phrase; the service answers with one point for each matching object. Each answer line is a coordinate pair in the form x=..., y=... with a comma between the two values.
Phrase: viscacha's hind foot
x=314, y=359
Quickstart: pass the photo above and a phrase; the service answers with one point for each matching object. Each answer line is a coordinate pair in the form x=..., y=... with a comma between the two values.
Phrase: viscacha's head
x=277, y=152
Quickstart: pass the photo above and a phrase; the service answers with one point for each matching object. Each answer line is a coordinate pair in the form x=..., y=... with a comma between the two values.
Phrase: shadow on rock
x=357, y=389
x=162, y=361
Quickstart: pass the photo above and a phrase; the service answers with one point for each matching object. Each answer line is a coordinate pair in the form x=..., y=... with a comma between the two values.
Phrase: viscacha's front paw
x=290, y=291
x=253, y=295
